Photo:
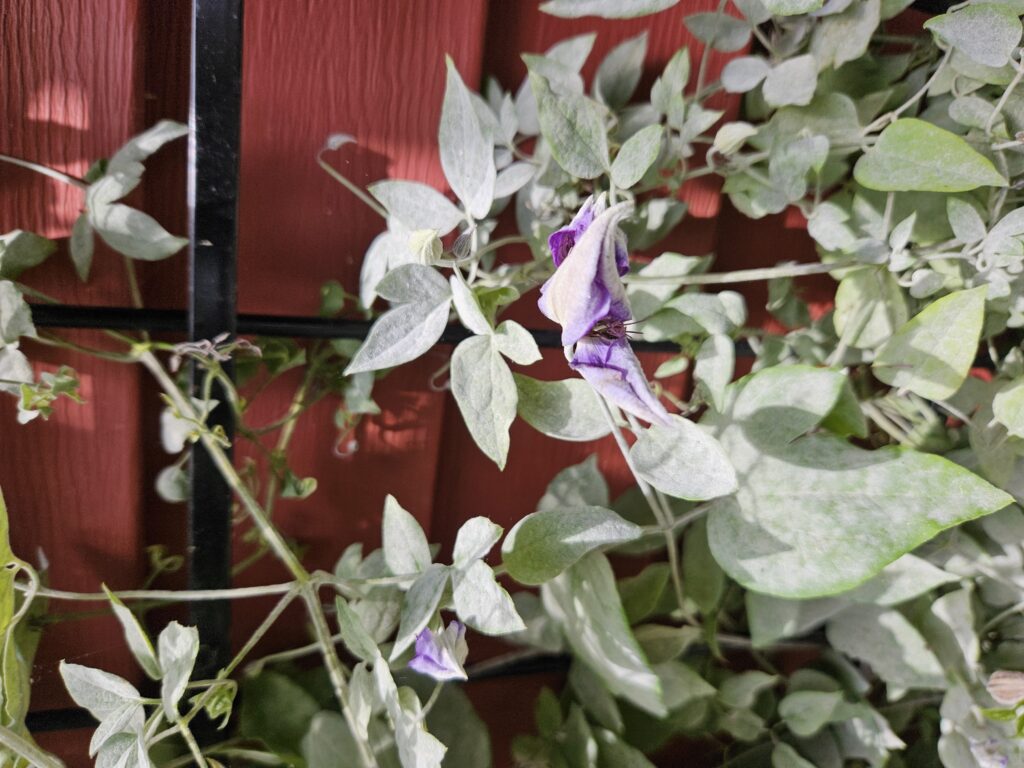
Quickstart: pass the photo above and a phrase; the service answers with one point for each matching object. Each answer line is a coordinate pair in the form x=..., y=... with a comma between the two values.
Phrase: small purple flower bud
x=441, y=656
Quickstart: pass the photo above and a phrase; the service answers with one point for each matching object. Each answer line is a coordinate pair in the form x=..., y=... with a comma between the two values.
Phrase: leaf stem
x=357, y=191
x=53, y=173
x=27, y=750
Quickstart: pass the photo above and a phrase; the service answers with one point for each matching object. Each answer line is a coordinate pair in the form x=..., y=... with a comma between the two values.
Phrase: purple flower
x=441, y=656
x=611, y=367
x=590, y=256
x=587, y=298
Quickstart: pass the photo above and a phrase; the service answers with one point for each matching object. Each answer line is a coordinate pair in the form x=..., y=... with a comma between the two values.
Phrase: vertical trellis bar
x=214, y=117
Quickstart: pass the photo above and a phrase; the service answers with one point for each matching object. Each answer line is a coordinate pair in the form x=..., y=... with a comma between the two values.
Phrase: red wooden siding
x=81, y=76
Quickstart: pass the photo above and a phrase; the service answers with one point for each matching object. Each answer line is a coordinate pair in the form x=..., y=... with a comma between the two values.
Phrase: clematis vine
x=587, y=298
x=442, y=655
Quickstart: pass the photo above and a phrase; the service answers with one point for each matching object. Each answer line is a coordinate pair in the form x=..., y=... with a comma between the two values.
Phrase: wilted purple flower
x=590, y=256
x=441, y=656
x=587, y=298
x=611, y=367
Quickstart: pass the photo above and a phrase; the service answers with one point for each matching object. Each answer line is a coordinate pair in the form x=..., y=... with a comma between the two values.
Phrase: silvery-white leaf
x=485, y=393
x=468, y=307
x=607, y=9
x=467, y=150
x=474, y=540
x=421, y=601
x=138, y=641
x=683, y=460
x=417, y=206
x=97, y=691
x=513, y=178
x=791, y=82
x=403, y=542
x=133, y=233
x=565, y=410
x=516, y=343
x=482, y=603
x=636, y=156
x=15, y=315
x=573, y=127
x=619, y=72
x=744, y=73
x=177, y=648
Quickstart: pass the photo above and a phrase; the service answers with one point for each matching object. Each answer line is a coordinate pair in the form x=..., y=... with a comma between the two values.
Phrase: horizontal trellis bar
x=294, y=326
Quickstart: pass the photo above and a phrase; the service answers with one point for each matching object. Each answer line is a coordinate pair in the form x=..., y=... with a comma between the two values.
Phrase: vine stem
x=890, y=117
x=1003, y=99
x=269, y=533
x=743, y=275
x=338, y=177
x=27, y=750
x=334, y=668
x=663, y=518
x=53, y=173
x=194, y=595
x=193, y=747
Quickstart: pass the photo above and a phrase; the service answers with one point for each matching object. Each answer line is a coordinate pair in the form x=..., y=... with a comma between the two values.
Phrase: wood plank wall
x=80, y=77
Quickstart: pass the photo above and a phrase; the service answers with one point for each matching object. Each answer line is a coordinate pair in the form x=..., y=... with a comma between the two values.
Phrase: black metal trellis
x=215, y=120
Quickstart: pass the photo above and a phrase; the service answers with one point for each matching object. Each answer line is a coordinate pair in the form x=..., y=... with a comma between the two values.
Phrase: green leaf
x=791, y=82
x=791, y=7
x=14, y=367
x=636, y=156
x=353, y=633
x=816, y=516
x=421, y=602
x=454, y=721
x=581, y=485
x=842, y=37
x=584, y=601
x=714, y=366
x=482, y=603
x=124, y=170
x=474, y=540
x=467, y=150
x=1008, y=408
x=486, y=395
x=619, y=72
x=888, y=642
x=912, y=154
x=15, y=315
x=820, y=516
x=606, y=9
x=81, y=246
x=773, y=618
x=594, y=696
x=327, y=739
x=683, y=460
x=565, y=410
x=681, y=684
x=870, y=306
x=901, y=581
x=965, y=220
x=743, y=74
x=741, y=691
x=403, y=542
x=719, y=30
x=277, y=711
x=988, y=33
x=572, y=125
x=21, y=250
x=138, y=641
x=613, y=752
x=177, y=648
x=704, y=579
x=784, y=756
x=542, y=545
x=642, y=594
x=417, y=206
x=662, y=643
x=133, y=233
x=932, y=354
x=408, y=330
x=807, y=712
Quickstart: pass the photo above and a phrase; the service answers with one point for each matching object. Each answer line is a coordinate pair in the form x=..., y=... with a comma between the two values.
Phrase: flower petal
x=611, y=367
x=586, y=288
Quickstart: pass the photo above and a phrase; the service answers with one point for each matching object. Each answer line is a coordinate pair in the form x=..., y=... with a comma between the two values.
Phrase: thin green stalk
x=743, y=275
x=27, y=750
x=53, y=173
x=270, y=534
x=1003, y=99
x=334, y=668
x=193, y=747
x=334, y=174
x=664, y=522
